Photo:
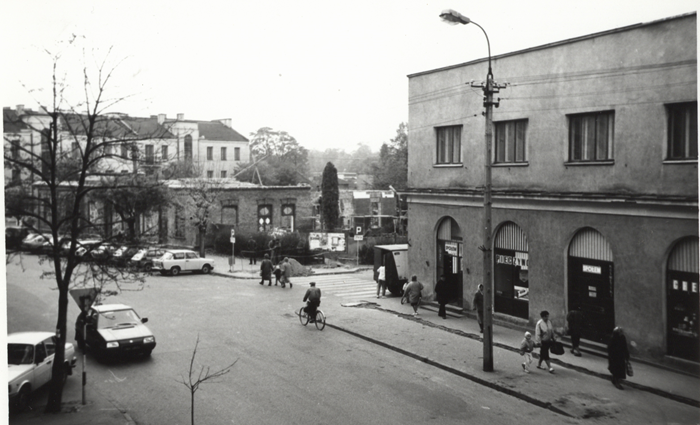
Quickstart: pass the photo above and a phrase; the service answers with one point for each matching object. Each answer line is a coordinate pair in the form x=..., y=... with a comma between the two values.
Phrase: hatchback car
x=113, y=331
x=175, y=261
x=143, y=259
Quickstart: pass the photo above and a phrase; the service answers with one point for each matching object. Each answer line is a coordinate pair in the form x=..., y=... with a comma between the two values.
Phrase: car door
x=44, y=362
x=192, y=261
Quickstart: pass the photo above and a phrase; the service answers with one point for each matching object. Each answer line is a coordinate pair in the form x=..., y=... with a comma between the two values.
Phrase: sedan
x=30, y=358
x=175, y=261
x=114, y=331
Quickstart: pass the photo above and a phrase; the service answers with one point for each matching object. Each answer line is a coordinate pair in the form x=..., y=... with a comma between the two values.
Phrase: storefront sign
x=592, y=269
x=520, y=260
x=451, y=248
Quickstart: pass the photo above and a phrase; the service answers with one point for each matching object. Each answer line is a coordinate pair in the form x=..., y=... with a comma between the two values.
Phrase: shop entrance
x=511, y=271
x=591, y=284
x=683, y=302
x=449, y=259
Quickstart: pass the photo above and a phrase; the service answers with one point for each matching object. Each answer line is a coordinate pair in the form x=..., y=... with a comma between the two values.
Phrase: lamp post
x=489, y=87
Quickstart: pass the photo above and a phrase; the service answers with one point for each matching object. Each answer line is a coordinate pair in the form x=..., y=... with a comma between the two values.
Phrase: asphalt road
x=285, y=373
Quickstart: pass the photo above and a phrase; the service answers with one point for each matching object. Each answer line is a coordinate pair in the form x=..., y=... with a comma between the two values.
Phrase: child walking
x=277, y=273
x=526, y=348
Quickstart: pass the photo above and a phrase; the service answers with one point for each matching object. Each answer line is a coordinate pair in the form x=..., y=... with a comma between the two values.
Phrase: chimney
x=161, y=118
x=226, y=122
x=180, y=117
x=20, y=110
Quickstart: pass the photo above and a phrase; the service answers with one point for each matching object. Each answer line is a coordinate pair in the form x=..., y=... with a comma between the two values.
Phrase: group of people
x=272, y=250
x=282, y=272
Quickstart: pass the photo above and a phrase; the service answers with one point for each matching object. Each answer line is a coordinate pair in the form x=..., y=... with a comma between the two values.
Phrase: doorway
x=683, y=301
x=449, y=259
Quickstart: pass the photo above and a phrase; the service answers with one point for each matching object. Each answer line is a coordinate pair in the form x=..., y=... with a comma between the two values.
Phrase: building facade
x=594, y=184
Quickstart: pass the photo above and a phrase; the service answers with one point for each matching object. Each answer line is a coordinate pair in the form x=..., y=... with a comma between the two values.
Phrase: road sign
x=358, y=231
x=359, y=237
x=84, y=297
x=233, y=236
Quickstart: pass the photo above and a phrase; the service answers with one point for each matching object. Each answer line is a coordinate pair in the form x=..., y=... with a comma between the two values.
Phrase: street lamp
x=453, y=17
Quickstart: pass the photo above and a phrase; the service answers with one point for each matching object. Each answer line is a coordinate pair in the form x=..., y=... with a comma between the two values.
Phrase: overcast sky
x=330, y=73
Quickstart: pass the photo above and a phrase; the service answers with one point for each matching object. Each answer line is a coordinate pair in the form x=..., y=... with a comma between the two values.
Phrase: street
x=285, y=373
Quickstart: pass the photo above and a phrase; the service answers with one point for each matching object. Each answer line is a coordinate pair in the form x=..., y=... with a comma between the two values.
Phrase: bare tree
x=199, y=200
x=58, y=156
x=205, y=375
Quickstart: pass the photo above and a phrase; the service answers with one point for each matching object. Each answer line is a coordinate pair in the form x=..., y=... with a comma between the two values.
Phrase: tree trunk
x=57, y=370
x=202, y=235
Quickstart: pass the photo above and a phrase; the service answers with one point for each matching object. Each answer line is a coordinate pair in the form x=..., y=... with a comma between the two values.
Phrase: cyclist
x=313, y=295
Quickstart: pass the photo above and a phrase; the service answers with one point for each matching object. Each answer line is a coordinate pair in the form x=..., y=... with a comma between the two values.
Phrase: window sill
x=460, y=165
x=679, y=161
x=588, y=163
x=510, y=164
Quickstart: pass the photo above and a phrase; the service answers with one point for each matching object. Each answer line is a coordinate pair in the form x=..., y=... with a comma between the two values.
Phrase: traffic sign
x=84, y=297
x=359, y=237
x=358, y=231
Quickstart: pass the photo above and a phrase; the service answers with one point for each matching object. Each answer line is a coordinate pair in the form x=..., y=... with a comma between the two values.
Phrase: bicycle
x=320, y=318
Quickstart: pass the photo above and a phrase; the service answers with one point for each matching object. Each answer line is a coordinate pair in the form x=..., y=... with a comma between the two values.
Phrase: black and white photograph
x=342, y=213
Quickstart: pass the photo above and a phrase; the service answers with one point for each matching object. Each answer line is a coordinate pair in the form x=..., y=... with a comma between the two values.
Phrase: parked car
x=34, y=241
x=175, y=261
x=30, y=358
x=123, y=254
x=14, y=235
x=114, y=331
x=83, y=246
x=143, y=259
x=102, y=252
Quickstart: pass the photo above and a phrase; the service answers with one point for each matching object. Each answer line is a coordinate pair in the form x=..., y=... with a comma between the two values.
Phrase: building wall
x=640, y=202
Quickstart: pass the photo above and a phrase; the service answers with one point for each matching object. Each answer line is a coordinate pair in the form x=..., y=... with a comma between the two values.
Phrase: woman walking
x=544, y=336
x=618, y=356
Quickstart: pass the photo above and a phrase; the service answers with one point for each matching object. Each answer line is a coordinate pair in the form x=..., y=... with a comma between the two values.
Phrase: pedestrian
x=273, y=245
x=251, y=250
x=313, y=295
x=575, y=322
x=478, y=305
x=414, y=290
x=544, y=336
x=286, y=272
x=277, y=273
x=526, y=347
x=442, y=296
x=266, y=270
x=618, y=356
x=381, y=281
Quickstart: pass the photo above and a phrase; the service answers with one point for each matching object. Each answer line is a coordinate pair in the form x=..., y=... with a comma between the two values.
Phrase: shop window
x=448, y=144
x=591, y=137
x=510, y=141
x=682, y=131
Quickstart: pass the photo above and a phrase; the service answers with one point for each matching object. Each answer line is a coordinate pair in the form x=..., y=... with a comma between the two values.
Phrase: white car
x=30, y=358
x=175, y=261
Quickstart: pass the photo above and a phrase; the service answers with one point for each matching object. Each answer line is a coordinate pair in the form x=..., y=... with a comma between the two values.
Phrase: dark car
x=113, y=331
x=123, y=254
x=143, y=259
x=102, y=252
x=14, y=235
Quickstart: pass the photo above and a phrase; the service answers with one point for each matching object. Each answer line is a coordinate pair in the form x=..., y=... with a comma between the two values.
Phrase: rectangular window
x=125, y=151
x=510, y=141
x=210, y=174
x=75, y=150
x=164, y=153
x=229, y=214
x=264, y=217
x=179, y=222
x=210, y=153
x=237, y=154
x=223, y=174
x=223, y=154
x=150, y=155
x=591, y=136
x=682, y=130
x=449, y=144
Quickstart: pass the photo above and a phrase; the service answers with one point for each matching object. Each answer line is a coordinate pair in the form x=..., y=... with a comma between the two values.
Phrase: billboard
x=327, y=241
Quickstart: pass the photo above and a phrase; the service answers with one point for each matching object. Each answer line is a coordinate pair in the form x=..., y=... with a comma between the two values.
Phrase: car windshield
x=115, y=319
x=20, y=354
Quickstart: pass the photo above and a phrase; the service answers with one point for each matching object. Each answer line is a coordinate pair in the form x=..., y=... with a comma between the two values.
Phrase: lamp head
x=453, y=17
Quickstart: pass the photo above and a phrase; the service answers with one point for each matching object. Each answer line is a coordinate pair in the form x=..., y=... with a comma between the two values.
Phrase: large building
x=594, y=180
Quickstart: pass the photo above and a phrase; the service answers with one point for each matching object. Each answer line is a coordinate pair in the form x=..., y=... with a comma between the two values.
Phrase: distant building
x=594, y=177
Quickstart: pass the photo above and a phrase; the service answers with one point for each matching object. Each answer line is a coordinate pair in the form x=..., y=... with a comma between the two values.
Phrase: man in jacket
x=313, y=298
x=478, y=305
x=414, y=291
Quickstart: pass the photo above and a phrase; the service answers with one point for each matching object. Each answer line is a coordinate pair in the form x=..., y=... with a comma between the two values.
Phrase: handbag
x=630, y=372
x=557, y=348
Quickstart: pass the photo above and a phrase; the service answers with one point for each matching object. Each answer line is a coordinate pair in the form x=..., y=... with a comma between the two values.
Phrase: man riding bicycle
x=313, y=298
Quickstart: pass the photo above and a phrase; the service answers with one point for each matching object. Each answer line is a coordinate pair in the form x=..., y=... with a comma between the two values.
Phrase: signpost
x=358, y=237
x=84, y=297
x=232, y=263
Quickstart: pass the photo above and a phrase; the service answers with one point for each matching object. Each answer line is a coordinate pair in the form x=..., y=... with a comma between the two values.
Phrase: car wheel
x=206, y=269
x=147, y=267
x=175, y=271
x=23, y=398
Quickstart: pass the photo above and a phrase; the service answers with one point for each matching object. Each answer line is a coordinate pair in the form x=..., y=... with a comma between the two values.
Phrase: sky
x=331, y=74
